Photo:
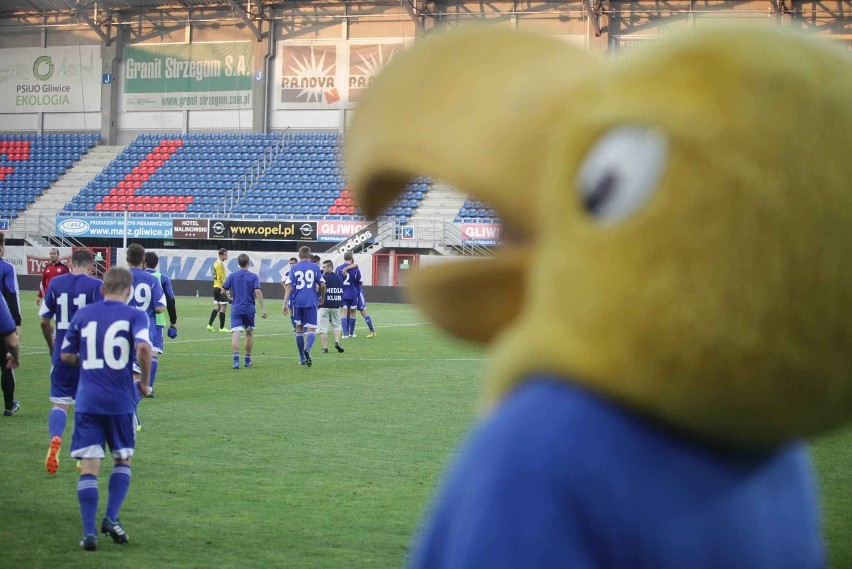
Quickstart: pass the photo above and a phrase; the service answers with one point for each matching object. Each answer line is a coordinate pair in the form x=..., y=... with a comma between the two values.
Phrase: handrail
x=247, y=181
x=435, y=233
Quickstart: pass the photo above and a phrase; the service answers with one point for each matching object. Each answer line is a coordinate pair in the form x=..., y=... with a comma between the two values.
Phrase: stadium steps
x=441, y=203
x=438, y=207
x=43, y=211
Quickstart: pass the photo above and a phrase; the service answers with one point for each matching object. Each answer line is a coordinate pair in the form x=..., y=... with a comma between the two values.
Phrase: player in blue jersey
x=329, y=312
x=353, y=297
x=102, y=339
x=65, y=295
x=148, y=296
x=243, y=287
x=304, y=286
x=291, y=262
x=9, y=290
x=9, y=345
x=151, y=262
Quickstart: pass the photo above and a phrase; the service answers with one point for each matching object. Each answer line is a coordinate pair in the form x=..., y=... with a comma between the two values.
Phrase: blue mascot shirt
x=559, y=477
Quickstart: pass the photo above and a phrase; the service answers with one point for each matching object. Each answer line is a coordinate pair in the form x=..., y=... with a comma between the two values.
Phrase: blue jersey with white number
x=242, y=285
x=65, y=295
x=147, y=294
x=351, y=281
x=304, y=276
x=105, y=337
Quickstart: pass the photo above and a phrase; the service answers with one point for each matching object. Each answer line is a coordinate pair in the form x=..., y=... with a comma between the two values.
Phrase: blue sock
x=155, y=363
x=87, y=494
x=56, y=420
x=352, y=322
x=119, y=484
x=300, y=343
x=248, y=359
x=344, y=323
x=311, y=337
x=369, y=322
x=236, y=358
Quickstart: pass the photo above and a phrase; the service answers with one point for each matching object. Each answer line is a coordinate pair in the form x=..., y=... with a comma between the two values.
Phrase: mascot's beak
x=474, y=109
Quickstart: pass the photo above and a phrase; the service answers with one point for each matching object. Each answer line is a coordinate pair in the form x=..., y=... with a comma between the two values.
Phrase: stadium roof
x=97, y=13
x=11, y=7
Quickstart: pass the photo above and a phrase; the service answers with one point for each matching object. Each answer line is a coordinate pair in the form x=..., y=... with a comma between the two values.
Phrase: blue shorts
x=63, y=383
x=157, y=339
x=241, y=322
x=92, y=432
x=350, y=303
x=362, y=303
x=306, y=317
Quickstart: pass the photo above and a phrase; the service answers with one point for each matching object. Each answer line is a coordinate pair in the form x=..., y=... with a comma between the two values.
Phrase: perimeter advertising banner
x=325, y=74
x=198, y=76
x=184, y=264
x=33, y=260
x=50, y=80
x=263, y=230
x=480, y=233
x=338, y=230
x=198, y=228
x=113, y=227
x=361, y=239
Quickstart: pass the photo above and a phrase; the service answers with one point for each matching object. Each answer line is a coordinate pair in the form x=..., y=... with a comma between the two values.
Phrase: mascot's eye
x=621, y=171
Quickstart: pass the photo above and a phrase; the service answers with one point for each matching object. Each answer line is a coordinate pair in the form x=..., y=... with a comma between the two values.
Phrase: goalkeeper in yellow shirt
x=220, y=298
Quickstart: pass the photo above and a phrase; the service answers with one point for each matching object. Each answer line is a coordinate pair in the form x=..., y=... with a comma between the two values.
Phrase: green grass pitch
x=279, y=465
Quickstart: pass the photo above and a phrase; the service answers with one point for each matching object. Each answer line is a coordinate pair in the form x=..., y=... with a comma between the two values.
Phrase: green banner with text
x=200, y=76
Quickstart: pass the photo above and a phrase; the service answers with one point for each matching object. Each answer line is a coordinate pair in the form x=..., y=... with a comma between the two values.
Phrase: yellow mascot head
x=678, y=226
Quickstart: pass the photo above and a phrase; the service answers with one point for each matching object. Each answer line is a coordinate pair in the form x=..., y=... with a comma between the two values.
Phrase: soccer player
x=65, y=295
x=329, y=312
x=305, y=285
x=102, y=339
x=244, y=288
x=148, y=296
x=9, y=290
x=220, y=299
x=9, y=345
x=151, y=262
x=293, y=261
x=54, y=268
x=353, y=297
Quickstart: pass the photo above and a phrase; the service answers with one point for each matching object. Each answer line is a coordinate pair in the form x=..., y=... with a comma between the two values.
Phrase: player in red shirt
x=54, y=268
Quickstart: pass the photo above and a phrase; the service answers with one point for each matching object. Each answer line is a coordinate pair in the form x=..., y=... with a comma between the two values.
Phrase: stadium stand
x=199, y=175
x=30, y=163
x=474, y=211
x=171, y=174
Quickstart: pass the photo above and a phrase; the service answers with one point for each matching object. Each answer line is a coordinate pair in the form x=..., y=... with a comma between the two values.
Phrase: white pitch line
x=223, y=336
x=272, y=335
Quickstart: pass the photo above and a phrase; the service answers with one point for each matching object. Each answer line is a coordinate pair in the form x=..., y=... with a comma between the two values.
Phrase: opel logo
x=218, y=228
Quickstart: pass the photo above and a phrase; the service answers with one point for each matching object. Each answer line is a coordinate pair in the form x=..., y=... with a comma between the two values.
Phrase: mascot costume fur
x=671, y=312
